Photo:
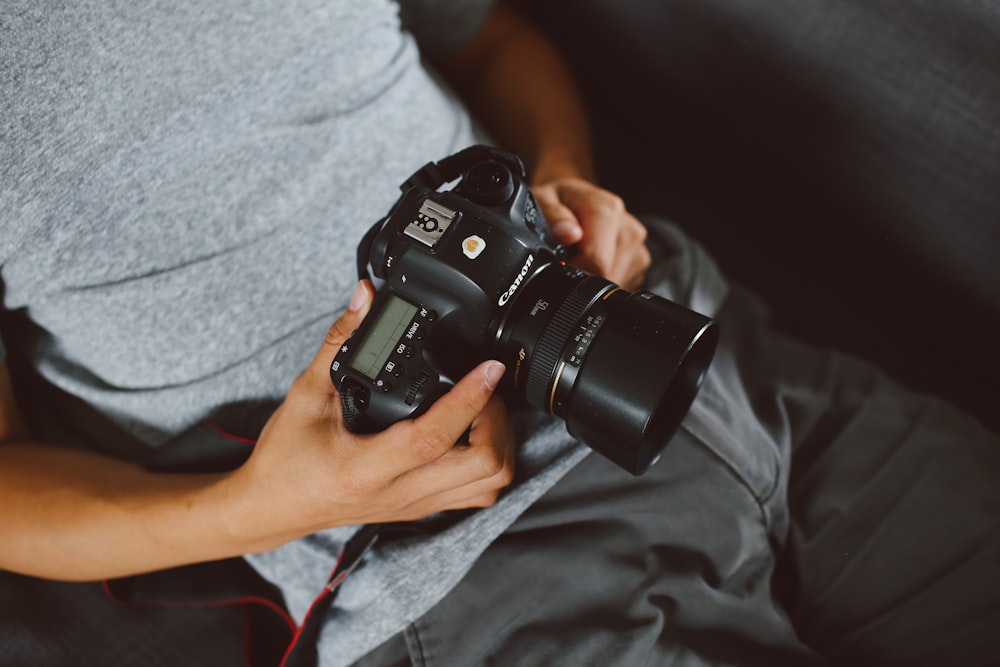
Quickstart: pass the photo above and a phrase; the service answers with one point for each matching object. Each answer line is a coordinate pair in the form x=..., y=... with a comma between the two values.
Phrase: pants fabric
x=856, y=523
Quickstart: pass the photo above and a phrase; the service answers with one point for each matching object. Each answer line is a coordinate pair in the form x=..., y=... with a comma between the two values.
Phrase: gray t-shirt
x=183, y=189
x=175, y=176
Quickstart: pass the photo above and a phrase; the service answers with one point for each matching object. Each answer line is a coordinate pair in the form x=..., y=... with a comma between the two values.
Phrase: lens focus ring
x=553, y=339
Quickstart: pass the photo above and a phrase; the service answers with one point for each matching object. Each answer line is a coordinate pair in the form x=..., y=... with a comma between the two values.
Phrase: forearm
x=520, y=87
x=72, y=515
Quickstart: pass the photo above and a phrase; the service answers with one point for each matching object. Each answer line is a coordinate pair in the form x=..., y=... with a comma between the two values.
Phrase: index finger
x=599, y=213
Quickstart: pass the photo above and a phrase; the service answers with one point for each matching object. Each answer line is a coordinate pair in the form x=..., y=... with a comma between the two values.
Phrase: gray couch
x=842, y=159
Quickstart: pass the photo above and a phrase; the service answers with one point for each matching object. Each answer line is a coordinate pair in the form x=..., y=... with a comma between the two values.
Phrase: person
x=184, y=189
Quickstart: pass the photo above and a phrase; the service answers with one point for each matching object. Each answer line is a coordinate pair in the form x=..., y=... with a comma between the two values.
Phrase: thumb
x=563, y=223
x=342, y=329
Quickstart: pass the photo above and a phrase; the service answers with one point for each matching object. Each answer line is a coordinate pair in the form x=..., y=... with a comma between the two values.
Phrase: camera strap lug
x=428, y=176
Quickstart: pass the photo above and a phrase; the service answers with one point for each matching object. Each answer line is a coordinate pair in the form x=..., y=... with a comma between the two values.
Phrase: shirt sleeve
x=443, y=26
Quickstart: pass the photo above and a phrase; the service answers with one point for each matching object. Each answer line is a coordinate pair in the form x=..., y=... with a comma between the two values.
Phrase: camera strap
x=435, y=174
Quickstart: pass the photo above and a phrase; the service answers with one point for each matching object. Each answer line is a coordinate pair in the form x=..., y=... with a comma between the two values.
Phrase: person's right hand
x=609, y=241
x=308, y=472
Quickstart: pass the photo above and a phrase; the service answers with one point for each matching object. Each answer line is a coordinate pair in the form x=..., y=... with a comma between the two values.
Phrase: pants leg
x=893, y=548
x=672, y=568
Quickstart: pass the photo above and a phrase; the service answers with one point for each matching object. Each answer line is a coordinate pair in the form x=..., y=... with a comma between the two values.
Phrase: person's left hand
x=609, y=240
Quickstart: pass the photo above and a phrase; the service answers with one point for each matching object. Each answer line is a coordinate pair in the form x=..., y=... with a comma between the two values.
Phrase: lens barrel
x=621, y=369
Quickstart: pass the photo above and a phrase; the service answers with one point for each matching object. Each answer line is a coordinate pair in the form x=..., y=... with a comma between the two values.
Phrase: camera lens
x=620, y=368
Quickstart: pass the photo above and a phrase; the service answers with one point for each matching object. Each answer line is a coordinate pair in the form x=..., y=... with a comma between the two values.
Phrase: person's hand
x=309, y=472
x=610, y=241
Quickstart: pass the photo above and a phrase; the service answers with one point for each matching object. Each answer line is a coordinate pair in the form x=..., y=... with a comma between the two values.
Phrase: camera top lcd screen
x=383, y=336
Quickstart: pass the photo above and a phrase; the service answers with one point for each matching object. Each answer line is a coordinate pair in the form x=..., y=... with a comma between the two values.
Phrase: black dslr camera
x=470, y=274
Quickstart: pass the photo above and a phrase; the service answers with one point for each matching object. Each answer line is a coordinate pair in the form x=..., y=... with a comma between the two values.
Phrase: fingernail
x=494, y=372
x=359, y=298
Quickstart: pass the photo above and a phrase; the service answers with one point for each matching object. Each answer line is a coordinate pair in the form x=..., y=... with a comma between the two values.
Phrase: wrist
x=560, y=162
x=252, y=516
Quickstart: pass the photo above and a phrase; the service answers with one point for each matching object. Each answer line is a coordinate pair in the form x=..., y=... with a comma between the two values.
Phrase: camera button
x=383, y=386
x=407, y=351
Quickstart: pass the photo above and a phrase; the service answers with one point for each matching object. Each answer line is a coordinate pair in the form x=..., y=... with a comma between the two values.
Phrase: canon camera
x=469, y=272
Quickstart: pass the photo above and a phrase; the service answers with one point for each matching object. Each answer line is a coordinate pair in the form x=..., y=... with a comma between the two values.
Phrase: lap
x=808, y=507
x=670, y=568
x=891, y=554
x=894, y=551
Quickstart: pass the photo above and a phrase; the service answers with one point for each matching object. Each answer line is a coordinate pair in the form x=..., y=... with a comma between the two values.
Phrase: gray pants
x=848, y=521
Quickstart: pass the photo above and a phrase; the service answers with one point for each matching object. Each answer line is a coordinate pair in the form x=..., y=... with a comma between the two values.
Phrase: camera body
x=451, y=263
x=471, y=273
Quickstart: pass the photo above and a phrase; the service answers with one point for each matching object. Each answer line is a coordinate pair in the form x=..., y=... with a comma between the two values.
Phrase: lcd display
x=384, y=335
